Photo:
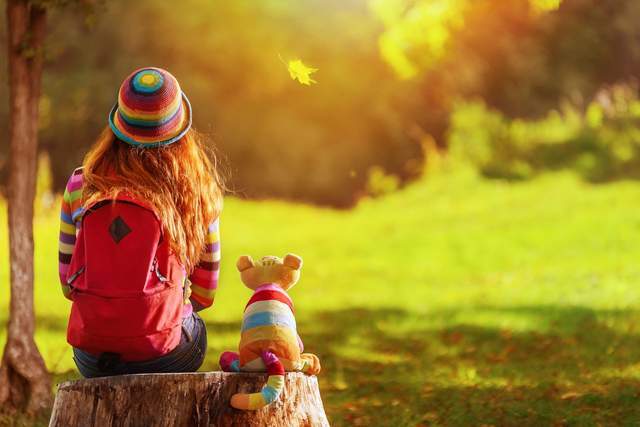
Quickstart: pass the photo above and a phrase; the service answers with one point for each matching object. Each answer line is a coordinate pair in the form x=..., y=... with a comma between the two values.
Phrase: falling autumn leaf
x=301, y=72
x=545, y=5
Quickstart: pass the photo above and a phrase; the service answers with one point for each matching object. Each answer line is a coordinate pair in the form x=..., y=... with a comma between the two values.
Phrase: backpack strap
x=123, y=198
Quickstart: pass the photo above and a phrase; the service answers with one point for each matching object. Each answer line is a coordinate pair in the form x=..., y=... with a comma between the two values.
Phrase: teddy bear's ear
x=244, y=262
x=293, y=261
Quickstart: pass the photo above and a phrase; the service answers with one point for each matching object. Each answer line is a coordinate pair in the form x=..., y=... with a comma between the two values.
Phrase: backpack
x=126, y=284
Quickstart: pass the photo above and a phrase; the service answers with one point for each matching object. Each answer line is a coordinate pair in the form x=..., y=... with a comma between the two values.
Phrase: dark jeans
x=186, y=357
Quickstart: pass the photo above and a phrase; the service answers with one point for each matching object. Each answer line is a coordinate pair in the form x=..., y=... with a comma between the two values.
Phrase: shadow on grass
x=389, y=367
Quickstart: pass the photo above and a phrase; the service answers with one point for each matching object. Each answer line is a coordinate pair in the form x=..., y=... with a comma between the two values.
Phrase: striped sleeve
x=71, y=207
x=204, y=279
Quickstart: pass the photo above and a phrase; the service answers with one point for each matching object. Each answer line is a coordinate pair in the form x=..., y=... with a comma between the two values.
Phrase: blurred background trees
x=515, y=87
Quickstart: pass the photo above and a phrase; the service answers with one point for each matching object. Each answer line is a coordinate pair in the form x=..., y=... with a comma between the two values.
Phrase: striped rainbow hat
x=151, y=110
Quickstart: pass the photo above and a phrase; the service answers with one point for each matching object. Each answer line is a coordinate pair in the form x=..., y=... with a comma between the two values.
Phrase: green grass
x=457, y=301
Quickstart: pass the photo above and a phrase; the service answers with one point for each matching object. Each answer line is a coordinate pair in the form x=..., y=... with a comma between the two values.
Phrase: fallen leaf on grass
x=427, y=389
x=377, y=403
x=452, y=338
x=570, y=395
x=339, y=384
x=506, y=334
x=350, y=407
x=430, y=416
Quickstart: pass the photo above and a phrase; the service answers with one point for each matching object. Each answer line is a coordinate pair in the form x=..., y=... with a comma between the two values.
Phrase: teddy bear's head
x=284, y=272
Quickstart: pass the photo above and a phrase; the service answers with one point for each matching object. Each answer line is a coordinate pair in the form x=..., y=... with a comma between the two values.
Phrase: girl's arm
x=70, y=201
x=204, y=279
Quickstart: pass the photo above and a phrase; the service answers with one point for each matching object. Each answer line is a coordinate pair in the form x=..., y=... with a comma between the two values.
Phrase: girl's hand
x=187, y=290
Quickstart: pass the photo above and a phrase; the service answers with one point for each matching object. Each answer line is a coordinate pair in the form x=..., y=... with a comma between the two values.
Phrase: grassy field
x=456, y=302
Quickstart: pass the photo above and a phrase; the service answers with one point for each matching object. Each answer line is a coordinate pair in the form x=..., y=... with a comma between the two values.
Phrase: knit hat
x=151, y=110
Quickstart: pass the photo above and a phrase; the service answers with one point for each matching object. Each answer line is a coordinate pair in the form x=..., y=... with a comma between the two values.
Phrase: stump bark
x=194, y=399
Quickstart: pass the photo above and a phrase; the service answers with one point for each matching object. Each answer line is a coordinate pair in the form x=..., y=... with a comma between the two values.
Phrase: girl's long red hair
x=179, y=181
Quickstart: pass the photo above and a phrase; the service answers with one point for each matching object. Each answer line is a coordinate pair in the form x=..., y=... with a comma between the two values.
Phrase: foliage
x=458, y=301
x=421, y=28
x=601, y=143
x=380, y=182
x=280, y=139
x=319, y=145
x=418, y=33
x=517, y=60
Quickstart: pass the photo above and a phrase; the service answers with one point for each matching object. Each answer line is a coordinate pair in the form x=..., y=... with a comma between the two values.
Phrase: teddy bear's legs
x=311, y=364
x=230, y=361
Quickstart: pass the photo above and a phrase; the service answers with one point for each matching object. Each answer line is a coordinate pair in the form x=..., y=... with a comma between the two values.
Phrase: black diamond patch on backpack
x=118, y=229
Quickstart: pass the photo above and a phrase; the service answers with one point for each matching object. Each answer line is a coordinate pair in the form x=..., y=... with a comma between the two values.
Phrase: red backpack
x=126, y=285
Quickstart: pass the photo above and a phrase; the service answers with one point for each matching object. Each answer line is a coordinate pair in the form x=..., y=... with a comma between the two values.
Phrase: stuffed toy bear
x=269, y=340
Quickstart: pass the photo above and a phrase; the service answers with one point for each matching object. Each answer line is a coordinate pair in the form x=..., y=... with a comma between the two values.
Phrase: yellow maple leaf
x=541, y=6
x=301, y=72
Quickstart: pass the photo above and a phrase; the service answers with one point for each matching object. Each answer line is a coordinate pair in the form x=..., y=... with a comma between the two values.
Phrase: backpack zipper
x=157, y=271
x=75, y=275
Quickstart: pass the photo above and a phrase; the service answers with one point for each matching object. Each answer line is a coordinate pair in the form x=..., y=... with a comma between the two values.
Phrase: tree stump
x=194, y=399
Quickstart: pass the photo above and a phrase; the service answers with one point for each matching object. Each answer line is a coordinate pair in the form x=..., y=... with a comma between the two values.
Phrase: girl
x=139, y=239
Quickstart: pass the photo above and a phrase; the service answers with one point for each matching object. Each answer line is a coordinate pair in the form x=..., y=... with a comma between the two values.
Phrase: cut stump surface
x=194, y=399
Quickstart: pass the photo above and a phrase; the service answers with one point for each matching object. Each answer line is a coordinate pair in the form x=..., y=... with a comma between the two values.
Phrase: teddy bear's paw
x=230, y=361
x=312, y=363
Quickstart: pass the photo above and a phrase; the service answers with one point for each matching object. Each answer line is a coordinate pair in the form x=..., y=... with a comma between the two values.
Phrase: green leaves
x=417, y=33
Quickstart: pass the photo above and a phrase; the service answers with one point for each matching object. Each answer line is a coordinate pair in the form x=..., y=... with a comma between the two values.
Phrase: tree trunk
x=24, y=380
x=198, y=399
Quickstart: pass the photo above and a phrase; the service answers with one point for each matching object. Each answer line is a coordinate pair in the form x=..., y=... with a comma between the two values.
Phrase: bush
x=600, y=142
